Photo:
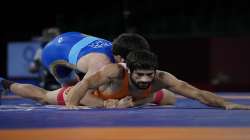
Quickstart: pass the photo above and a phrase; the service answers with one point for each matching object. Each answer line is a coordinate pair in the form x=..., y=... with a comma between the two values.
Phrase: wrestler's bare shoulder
x=113, y=70
x=162, y=74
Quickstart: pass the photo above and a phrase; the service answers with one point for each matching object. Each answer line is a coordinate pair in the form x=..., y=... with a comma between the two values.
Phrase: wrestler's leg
x=52, y=97
x=35, y=93
x=29, y=91
x=64, y=73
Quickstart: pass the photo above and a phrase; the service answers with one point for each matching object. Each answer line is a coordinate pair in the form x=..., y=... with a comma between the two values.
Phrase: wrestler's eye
x=150, y=74
x=140, y=74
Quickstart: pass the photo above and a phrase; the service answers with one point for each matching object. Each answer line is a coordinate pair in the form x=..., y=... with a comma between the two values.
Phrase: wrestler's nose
x=145, y=79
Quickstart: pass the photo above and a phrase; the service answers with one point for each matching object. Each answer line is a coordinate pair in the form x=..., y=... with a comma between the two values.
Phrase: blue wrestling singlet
x=71, y=46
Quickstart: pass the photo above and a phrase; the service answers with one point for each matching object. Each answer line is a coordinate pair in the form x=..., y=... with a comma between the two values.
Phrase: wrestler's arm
x=91, y=100
x=103, y=76
x=187, y=90
x=149, y=99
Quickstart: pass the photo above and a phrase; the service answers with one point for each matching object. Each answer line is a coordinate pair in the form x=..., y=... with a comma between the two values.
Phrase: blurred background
x=205, y=43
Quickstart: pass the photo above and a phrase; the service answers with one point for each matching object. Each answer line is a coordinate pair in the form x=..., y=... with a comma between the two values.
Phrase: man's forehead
x=143, y=71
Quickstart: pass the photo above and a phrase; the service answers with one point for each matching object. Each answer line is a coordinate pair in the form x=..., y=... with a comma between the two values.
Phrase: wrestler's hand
x=111, y=103
x=72, y=107
x=125, y=102
x=231, y=106
x=69, y=105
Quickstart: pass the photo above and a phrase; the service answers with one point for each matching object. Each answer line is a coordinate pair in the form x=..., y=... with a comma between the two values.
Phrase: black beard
x=137, y=85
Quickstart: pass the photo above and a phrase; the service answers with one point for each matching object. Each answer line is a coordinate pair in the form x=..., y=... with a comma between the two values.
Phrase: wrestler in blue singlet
x=70, y=47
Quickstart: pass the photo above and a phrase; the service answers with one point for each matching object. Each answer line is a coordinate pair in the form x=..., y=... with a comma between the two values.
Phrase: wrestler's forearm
x=76, y=94
x=205, y=97
x=212, y=99
x=144, y=101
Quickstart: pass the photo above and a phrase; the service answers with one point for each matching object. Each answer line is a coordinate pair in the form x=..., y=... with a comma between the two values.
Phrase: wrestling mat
x=24, y=119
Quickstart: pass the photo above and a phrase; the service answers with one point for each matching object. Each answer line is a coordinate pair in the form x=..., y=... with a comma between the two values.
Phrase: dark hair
x=49, y=34
x=142, y=59
x=128, y=42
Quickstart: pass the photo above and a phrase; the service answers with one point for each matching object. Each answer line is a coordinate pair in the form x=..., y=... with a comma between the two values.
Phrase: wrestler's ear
x=122, y=60
x=129, y=71
x=118, y=59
